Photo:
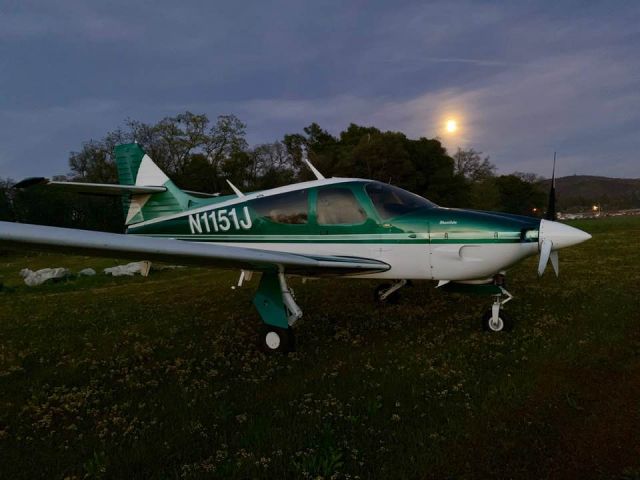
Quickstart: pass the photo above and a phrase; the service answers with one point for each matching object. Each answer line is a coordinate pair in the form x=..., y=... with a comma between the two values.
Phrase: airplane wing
x=85, y=242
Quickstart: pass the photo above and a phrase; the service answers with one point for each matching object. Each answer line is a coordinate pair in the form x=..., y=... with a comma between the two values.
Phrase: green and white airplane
x=340, y=227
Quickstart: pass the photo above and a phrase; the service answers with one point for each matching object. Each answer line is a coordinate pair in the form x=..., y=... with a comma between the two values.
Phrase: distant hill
x=579, y=191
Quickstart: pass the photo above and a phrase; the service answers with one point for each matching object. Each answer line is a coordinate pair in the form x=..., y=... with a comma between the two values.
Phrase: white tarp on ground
x=129, y=269
x=38, y=277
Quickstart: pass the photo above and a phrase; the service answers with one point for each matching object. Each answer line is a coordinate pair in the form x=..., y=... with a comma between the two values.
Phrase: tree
x=529, y=177
x=272, y=166
x=6, y=200
x=93, y=163
x=225, y=140
x=380, y=156
x=518, y=196
x=180, y=136
x=435, y=176
x=485, y=195
x=470, y=164
x=420, y=165
x=199, y=156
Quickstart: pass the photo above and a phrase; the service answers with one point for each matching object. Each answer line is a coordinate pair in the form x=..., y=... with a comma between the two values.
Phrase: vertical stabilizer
x=135, y=167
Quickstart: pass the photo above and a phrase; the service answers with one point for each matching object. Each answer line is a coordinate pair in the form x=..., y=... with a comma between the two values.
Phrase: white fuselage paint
x=417, y=261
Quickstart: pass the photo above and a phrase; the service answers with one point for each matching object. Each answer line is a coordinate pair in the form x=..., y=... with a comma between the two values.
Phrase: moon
x=452, y=126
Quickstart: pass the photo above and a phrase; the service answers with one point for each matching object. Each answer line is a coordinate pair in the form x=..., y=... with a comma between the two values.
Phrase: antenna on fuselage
x=235, y=189
x=551, y=206
x=315, y=171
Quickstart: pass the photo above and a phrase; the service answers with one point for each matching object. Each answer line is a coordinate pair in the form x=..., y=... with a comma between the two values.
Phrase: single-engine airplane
x=344, y=227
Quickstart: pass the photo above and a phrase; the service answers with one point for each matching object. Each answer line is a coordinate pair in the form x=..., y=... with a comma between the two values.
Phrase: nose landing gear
x=495, y=320
x=388, y=293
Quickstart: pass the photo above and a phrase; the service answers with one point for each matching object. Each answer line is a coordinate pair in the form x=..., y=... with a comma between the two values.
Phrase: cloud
x=524, y=78
x=28, y=141
x=580, y=105
x=70, y=20
x=471, y=61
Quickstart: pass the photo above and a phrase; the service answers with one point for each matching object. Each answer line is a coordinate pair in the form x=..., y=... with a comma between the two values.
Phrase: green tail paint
x=137, y=168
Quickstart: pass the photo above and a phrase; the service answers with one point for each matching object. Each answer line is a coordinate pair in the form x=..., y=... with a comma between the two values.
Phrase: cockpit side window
x=338, y=206
x=391, y=201
x=289, y=208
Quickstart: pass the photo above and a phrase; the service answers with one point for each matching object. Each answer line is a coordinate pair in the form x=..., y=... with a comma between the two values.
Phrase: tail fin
x=135, y=167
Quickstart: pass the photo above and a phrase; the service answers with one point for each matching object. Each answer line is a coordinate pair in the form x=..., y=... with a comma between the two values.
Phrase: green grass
x=160, y=377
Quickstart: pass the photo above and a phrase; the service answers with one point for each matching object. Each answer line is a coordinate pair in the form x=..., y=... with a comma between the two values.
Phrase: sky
x=522, y=79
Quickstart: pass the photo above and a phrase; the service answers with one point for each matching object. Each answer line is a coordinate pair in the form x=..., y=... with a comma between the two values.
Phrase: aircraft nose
x=561, y=235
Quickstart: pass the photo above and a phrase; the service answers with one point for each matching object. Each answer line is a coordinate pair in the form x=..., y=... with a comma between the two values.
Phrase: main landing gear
x=279, y=311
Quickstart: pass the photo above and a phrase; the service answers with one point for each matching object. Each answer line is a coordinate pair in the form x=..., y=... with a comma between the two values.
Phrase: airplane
x=327, y=227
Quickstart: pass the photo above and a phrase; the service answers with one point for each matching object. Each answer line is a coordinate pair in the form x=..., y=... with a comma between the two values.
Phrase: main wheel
x=504, y=323
x=392, y=299
x=276, y=339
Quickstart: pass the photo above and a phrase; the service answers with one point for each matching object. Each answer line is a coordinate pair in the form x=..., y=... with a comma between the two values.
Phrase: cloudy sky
x=522, y=78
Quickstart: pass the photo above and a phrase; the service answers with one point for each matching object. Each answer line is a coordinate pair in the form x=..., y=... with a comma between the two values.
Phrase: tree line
x=200, y=155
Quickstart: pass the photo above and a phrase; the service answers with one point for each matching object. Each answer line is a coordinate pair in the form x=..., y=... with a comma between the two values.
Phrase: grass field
x=160, y=377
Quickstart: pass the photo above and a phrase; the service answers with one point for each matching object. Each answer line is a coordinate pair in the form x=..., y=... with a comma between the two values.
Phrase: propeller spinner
x=553, y=236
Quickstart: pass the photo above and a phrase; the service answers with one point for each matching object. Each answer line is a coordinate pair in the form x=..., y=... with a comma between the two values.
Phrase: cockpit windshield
x=391, y=201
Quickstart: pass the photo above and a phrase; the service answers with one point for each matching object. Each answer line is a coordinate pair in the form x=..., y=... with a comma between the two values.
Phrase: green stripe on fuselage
x=374, y=239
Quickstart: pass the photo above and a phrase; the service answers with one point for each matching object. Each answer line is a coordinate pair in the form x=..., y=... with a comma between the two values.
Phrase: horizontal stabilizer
x=103, y=188
x=92, y=188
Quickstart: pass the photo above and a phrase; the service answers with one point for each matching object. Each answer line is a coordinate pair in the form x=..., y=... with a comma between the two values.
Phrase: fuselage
x=359, y=218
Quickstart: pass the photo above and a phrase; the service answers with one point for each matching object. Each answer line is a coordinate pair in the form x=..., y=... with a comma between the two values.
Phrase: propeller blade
x=555, y=263
x=545, y=253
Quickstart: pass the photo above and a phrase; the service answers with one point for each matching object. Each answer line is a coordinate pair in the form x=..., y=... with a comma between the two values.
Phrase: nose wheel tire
x=503, y=323
x=275, y=339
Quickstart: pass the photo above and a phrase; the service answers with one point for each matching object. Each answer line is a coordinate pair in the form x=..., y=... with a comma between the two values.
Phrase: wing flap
x=84, y=242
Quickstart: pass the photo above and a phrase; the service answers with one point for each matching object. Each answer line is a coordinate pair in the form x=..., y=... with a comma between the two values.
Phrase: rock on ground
x=129, y=269
x=38, y=277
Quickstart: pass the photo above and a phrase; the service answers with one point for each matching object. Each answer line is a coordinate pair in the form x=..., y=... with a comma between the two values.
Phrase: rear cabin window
x=338, y=206
x=392, y=201
x=289, y=208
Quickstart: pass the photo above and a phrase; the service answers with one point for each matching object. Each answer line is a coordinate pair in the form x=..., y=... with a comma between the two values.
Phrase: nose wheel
x=503, y=323
x=496, y=319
